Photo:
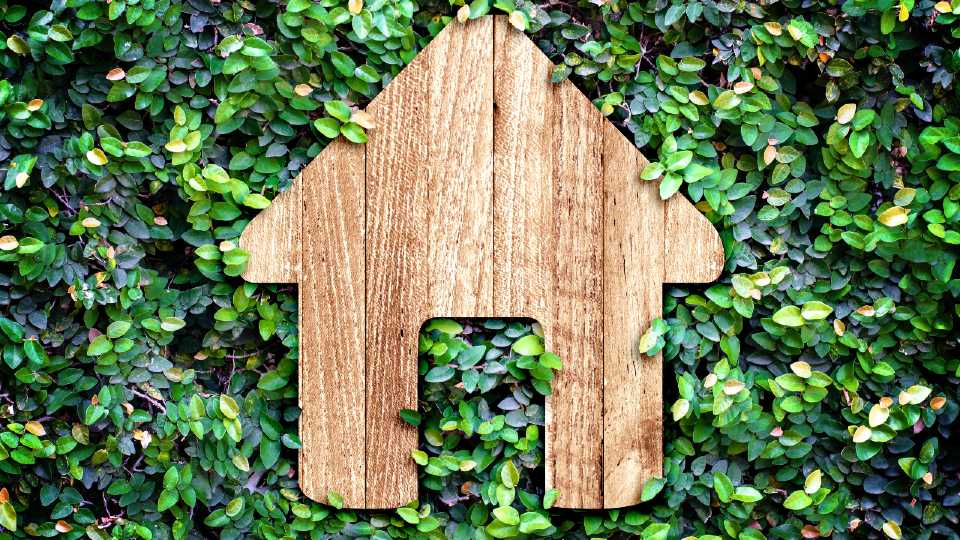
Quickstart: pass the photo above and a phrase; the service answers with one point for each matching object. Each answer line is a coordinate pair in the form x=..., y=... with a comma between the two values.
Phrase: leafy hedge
x=147, y=391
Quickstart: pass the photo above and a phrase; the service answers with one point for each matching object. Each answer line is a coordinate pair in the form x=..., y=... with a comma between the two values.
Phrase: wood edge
x=255, y=271
x=682, y=220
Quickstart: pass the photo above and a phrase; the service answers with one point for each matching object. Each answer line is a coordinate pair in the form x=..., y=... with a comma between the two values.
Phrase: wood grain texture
x=633, y=266
x=332, y=326
x=549, y=248
x=429, y=231
x=273, y=240
x=693, y=252
x=485, y=190
x=523, y=186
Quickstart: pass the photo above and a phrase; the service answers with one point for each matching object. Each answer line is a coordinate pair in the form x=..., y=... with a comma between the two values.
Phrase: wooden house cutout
x=485, y=190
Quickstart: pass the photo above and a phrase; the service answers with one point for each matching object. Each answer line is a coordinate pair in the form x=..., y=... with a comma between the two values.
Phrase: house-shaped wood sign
x=484, y=191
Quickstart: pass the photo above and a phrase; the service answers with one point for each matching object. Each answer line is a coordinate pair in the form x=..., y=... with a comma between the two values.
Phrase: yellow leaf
x=36, y=428
x=795, y=32
x=892, y=530
x=774, y=28
x=176, y=146
x=812, y=484
x=363, y=119
x=943, y=7
x=21, y=179
x=698, y=98
x=845, y=113
x=710, y=380
x=116, y=74
x=878, y=415
x=867, y=310
x=63, y=527
x=801, y=369
x=914, y=395
x=8, y=243
x=938, y=402
x=886, y=402
x=732, y=387
x=769, y=154
x=680, y=409
x=97, y=157
x=894, y=216
x=302, y=89
x=90, y=222
x=862, y=434
x=839, y=328
x=742, y=87
x=463, y=13
x=518, y=20
x=904, y=13
x=34, y=104
x=928, y=478
x=355, y=6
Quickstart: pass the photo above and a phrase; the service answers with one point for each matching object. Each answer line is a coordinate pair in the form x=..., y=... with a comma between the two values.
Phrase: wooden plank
x=332, y=337
x=273, y=240
x=693, y=252
x=429, y=229
x=523, y=178
x=632, y=270
x=549, y=247
x=576, y=406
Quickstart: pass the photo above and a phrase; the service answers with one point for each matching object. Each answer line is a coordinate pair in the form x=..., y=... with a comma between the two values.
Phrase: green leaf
x=726, y=100
x=12, y=329
x=747, y=494
x=171, y=478
x=228, y=407
x=328, y=127
x=509, y=474
x=798, y=500
x=99, y=346
x=669, y=185
x=723, y=486
x=168, y=498
x=447, y=326
x=335, y=499
x=549, y=498
x=338, y=110
x=409, y=515
x=272, y=381
x=652, y=171
x=656, y=531
x=353, y=133
x=529, y=345
x=172, y=324
x=788, y=316
x=507, y=515
x=651, y=488
x=343, y=63
x=815, y=310
x=678, y=160
x=8, y=517
x=531, y=522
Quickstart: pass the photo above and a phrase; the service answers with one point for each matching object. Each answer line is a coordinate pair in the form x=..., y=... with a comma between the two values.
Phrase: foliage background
x=147, y=392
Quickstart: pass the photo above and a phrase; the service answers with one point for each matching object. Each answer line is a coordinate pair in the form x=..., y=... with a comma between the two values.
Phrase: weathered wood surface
x=484, y=190
x=332, y=334
x=632, y=281
x=274, y=236
x=549, y=247
x=429, y=224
